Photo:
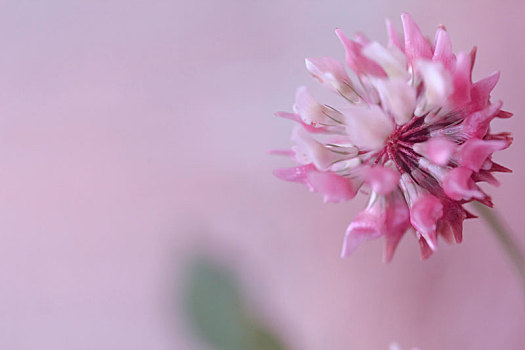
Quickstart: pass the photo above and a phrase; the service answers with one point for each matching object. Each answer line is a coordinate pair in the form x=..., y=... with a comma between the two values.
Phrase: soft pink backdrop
x=133, y=133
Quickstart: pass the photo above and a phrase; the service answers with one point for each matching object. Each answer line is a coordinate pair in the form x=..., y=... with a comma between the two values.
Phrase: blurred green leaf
x=216, y=312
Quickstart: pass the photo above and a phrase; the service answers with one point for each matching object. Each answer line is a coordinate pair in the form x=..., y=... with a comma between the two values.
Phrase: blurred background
x=136, y=194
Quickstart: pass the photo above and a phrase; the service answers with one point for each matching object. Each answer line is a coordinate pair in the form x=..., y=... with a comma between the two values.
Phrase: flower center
x=399, y=146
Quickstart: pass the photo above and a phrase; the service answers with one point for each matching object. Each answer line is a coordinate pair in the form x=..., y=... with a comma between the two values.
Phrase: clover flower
x=412, y=130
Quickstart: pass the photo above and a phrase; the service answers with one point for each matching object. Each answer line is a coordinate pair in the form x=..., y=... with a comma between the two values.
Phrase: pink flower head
x=411, y=129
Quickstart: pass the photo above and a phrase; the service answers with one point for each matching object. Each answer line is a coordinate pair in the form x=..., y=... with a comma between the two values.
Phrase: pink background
x=133, y=134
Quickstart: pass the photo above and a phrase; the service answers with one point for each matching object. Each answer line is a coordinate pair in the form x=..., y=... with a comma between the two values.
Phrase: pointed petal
x=499, y=168
x=476, y=125
x=473, y=153
x=329, y=72
x=396, y=223
x=504, y=114
x=461, y=79
x=297, y=118
x=355, y=58
x=485, y=176
x=458, y=185
x=393, y=36
x=367, y=225
x=443, y=49
x=416, y=45
x=452, y=221
x=480, y=92
x=424, y=214
x=424, y=248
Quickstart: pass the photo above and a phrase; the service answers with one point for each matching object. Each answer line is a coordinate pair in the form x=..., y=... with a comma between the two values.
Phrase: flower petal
x=368, y=127
x=398, y=97
x=461, y=79
x=355, y=58
x=297, y=118
x=476, y=125
x=313, y=151
x=437, y=149
x=458, y=185
x=367, y=225
x=329, y=72
x=382, y=180
x=393, y=37
x=443, y=49
x=396, y=223
x=473, y=153
x=311, y=111
x=424, y=248
x=416, y=45
x=392, y=60
x=480, y=92
x=438, y=84
x=424, y=214
x=450, y=226
x=334, y=188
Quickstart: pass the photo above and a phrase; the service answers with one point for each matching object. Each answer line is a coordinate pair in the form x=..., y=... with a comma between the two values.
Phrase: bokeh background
x=133, y=138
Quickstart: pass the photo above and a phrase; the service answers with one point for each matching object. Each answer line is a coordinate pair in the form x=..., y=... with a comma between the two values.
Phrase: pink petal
x=295, y=174
x=504, y=114
x=297, y=118
x=437, y=149
x=485, y=176
x=356, y=60
x=366, y=225
x=382, y=180
x=315, y=151
x=476, y=125
x=361, y=39
x=398, y=97
x=461, y=79
x=473, y=153
x=451, y=224
x=437, y=81
x=424, y=214
x=334, y=188
x=390, y=59
x=311, y=112
x=393, y=37
x=499, y=168
x=368, y=127
x=416, y=45
x=443, y=49
x=329, y=72
x=424, y=248
x=458, y=185
x=480, y=92
x=396, y=223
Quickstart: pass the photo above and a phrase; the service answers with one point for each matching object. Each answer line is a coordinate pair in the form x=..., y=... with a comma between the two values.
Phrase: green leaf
x=216, y=312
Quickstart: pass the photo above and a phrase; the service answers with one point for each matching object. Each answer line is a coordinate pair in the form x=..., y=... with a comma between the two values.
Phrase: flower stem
x=504, y=236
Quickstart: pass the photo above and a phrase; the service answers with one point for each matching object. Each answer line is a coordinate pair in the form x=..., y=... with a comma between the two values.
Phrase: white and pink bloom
x=412, y=130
